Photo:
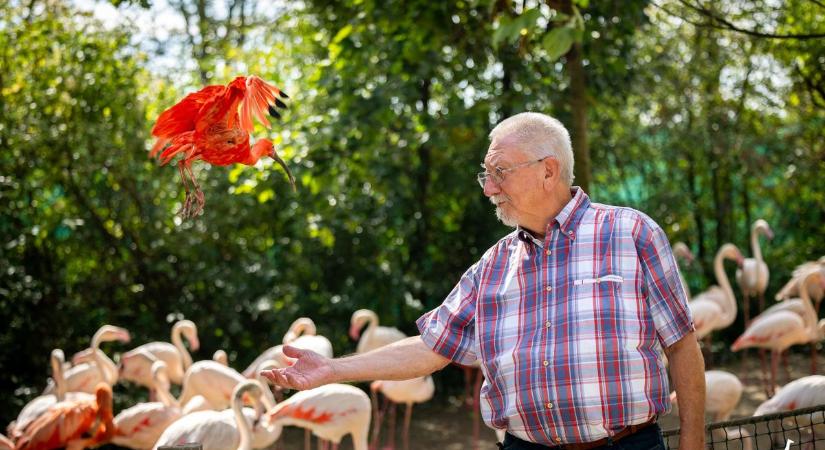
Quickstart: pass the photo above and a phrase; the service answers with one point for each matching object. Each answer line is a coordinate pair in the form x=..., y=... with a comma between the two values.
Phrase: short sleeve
x=666, y=296
x=449, y=329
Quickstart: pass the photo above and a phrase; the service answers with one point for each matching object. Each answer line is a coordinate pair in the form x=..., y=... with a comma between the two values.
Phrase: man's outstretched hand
x=310, y=370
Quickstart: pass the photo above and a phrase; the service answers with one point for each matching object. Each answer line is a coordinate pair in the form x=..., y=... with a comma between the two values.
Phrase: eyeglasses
x=497, y=176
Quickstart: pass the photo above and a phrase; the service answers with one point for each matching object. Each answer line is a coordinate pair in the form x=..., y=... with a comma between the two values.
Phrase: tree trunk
x=578, y=107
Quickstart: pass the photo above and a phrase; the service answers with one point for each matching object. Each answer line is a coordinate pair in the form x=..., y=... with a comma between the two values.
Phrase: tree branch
x=813, y=88
x=730, y=26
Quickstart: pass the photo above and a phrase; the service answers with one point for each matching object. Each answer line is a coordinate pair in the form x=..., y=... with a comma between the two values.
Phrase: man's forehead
x=501, y=150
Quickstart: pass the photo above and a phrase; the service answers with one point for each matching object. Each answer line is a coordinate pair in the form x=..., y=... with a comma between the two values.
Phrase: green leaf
x=558, y=42
x=342, y=34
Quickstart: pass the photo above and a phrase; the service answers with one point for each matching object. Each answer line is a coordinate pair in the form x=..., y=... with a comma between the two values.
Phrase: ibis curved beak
x=286, y=169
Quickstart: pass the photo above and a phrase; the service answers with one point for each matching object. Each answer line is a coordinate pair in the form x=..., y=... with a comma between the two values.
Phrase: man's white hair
x=539, y=135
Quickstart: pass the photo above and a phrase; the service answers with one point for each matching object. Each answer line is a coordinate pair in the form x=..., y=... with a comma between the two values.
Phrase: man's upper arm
x=666, y=297
x=449, y=329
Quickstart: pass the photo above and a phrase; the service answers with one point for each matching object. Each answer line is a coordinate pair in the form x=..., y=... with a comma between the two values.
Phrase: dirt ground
x=448, y=425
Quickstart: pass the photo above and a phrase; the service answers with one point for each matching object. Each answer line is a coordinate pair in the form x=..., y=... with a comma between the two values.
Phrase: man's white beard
x=506, y=219
x=502, y=216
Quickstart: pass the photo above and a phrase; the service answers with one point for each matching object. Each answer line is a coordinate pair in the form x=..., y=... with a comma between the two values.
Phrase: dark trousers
x=648, y=438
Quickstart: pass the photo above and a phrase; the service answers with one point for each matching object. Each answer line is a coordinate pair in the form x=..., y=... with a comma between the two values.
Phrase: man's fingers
x=275, y=376
x=293, y=352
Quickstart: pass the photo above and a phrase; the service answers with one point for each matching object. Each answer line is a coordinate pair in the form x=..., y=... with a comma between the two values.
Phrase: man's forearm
x=402, y=360
x=687, y=369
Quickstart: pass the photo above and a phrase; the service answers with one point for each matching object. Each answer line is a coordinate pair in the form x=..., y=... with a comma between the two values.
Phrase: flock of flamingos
x=224, y=409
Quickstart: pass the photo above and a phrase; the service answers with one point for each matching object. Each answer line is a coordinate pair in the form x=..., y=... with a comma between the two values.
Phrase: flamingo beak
x=195, y=344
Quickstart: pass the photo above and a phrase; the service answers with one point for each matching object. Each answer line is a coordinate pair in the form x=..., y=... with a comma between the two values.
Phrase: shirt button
x=547, y=252
x=547, y=324
x=546, y=363
x=558, y=439
x=570, y=232
x=550, y=406
x=548, y=289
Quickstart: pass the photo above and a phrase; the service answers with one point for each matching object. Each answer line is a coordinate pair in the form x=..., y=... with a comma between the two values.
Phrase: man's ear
x=551, y=170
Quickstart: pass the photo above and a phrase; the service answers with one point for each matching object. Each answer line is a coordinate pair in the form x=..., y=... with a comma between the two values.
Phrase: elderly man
x=569, y=314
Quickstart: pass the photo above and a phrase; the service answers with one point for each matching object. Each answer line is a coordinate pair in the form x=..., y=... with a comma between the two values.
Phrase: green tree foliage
x=705, y=128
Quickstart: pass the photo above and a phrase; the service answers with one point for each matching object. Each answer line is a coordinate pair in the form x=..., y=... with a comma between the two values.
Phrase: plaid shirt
x=569, y=331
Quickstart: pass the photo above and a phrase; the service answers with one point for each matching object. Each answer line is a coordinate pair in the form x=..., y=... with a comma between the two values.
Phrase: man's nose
x=491, y=188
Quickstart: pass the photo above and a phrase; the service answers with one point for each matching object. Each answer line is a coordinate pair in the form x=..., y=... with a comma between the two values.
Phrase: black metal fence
x=800, y=429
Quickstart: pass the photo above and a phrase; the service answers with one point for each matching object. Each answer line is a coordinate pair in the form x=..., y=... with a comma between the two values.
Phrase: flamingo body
x=330, y=412
x=753, y=277
x=800, y=393
x=374, y=336
x=224, y=430
x=776, y=331
x=715, y=308
x=723, y=390
x=64, y=424
x=136, y=364
x=140, y=426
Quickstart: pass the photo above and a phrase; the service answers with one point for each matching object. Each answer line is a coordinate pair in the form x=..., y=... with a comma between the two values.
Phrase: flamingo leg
x=407, y=418
x=814, y=365
x=785, y=366
x=391, y=432
x=763, y=358
x=307, y=440
x=774, y=366
x=744, y=373
x=376, y=420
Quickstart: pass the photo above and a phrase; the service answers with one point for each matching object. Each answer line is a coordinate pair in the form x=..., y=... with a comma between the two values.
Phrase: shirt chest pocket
x=595, y=298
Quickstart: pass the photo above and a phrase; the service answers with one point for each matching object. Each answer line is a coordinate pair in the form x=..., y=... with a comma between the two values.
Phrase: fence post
x=182, y=447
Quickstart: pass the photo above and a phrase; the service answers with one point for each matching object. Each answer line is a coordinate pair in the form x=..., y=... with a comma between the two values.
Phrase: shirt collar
x=568, y=218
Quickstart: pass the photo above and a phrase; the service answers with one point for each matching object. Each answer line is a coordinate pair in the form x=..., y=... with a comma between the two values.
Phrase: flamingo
x=330, y=412
x=681, y=250
x=84, y=376
x=791, y=288
x=221, y=357
x=228, y=429
x=64, y=424
x=136, y=368
x=753, y=277
x=374, y=336
x=301, y=334
x=215, y=383
x=300, y=327
x=140, y=426
x=801, y=393
x=415, y=390
x=723, y=390
x=812, y=281
x=715, y=308
x=41, y=404
x=785, y=324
